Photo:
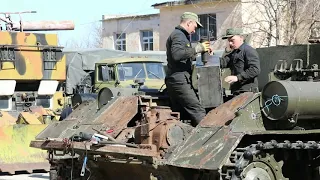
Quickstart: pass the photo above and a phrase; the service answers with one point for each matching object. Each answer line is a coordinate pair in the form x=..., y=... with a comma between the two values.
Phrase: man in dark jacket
x=243, y=61
x=180, y=55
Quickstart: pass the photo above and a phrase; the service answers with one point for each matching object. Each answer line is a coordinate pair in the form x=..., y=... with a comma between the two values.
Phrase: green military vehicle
x=129, y=72
x=110, y=75
x=86, y=69
x=267, y=135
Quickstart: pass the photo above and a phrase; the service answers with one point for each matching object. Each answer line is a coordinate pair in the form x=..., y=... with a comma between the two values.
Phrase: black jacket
x=180, y=54
x=245, y=64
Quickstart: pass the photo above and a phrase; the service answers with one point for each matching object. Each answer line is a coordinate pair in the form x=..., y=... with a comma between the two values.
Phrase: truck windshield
x=155, y=70
x=130, y=71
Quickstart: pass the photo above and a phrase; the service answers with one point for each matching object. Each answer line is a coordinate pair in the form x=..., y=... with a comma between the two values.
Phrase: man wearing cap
x=243, y=61
x=180, y=55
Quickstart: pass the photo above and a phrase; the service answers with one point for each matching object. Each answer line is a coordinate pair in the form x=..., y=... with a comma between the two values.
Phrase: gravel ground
x=34, y=176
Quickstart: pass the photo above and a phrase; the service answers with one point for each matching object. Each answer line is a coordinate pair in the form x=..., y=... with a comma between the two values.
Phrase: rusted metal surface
x=225, y=112
x=125, y=135
x=156, y=126
x=92, y=149
x=206, y=148
x=56, y=129
x=115, y=116
x=48, y=25
x=43, y=26
x=34, y=26
x=159, y=129
x=119, y=114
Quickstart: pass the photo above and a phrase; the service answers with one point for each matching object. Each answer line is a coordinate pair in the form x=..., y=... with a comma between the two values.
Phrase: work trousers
x=184, y=98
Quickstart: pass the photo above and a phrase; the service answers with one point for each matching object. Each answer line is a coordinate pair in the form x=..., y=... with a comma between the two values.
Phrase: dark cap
x=192, y=16
x=232, y=31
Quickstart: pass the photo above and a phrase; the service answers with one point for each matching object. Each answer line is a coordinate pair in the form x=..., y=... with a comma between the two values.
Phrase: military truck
x=128, y=72
x=81, y=67
x=94, y=71
x=32, y=70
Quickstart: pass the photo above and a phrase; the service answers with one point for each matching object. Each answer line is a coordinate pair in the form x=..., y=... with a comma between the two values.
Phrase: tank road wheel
x=263, y=167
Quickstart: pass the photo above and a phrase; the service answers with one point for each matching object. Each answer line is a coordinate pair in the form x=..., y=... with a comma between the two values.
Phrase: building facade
x=216, y=17
x=131, y=33
x=267, y=23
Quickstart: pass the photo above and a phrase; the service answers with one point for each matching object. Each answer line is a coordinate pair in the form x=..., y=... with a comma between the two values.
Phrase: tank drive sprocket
x=252, y=164
x=263, y=167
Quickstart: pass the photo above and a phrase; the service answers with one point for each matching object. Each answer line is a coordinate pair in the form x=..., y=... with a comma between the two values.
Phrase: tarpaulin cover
x=82, y=61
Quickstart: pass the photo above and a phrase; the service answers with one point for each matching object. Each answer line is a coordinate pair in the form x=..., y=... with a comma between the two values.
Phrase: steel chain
x=269, y=145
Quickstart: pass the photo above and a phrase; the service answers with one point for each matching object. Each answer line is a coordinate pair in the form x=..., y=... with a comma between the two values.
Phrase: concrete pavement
x=34, y=176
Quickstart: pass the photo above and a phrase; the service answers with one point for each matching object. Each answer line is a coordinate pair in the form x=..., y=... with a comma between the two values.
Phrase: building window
x=147, y=41
x=209, y=28
x=121, y=42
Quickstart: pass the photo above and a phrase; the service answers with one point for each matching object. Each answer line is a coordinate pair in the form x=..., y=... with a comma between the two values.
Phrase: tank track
x=251, y=160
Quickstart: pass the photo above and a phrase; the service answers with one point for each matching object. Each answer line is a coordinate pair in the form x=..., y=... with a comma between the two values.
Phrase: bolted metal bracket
x=7, y=54
x=51, y=56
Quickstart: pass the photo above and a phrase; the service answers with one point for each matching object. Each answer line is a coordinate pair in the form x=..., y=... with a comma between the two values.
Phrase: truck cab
x=132, y=72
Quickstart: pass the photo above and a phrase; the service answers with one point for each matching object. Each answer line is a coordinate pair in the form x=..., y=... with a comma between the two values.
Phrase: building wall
x=132, y=27
x=228, y=14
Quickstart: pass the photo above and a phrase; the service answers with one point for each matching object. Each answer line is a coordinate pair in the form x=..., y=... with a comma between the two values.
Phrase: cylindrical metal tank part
x=107, y=94
x=283, y=100
x=204, y=55
x=80, y=98
x=45, y=25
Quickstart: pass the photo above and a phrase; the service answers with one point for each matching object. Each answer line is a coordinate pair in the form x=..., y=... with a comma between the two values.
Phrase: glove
x=202, y=47
x=228, y=49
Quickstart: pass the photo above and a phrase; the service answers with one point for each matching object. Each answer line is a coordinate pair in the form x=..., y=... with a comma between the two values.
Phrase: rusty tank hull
x=134, y=137
x=229, y=143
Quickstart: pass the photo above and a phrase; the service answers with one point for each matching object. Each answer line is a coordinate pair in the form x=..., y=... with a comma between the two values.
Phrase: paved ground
x=34, y=176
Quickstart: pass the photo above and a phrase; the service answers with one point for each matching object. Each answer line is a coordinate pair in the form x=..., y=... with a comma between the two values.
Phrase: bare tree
x=92, y=39
x=304, y=13
x=96, y=35
x=282, y=22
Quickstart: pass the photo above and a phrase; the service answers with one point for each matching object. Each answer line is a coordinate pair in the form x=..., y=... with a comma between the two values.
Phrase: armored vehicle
x=32, y=70
x=268, y=135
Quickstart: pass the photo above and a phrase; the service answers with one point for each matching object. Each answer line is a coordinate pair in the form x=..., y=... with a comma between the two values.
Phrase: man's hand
x=202, y=47
x=231, y=79
x=210, y=51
